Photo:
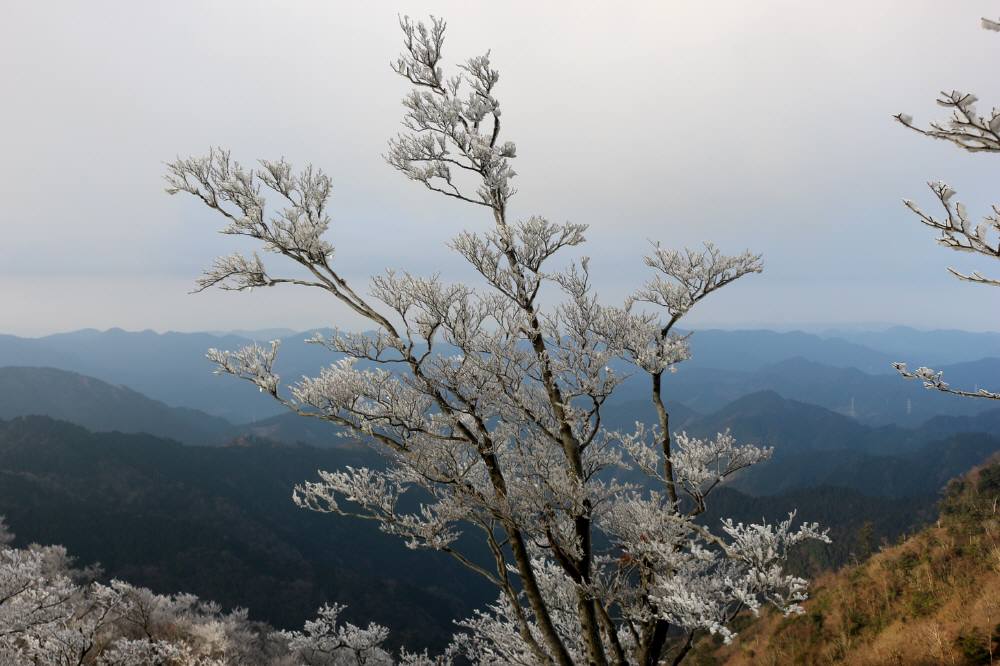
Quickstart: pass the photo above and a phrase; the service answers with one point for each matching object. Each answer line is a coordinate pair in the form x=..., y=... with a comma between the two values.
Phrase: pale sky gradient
x=754, y=124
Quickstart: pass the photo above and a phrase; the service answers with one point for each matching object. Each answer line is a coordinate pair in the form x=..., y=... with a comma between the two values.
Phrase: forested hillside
x=932, y=599
x=97, y=405
x=220, y=522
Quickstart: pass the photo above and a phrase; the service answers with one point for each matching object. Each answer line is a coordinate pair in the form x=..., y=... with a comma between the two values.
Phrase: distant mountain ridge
x=170, y=367
x=874, y=399
x=257, y=334
x=751, y=350
x=814, y=446
x=905, y=473
x=842, y=376
x=100, y=406
x=936, y=347
x=762, y=416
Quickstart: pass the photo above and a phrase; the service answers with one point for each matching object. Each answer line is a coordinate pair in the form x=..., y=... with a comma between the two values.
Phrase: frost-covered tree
x=488, y=400
x=37, y=597
x=974, y=132
x=53, y=614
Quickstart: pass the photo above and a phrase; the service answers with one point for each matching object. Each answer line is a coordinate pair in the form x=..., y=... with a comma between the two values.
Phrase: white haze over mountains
x=762, y=125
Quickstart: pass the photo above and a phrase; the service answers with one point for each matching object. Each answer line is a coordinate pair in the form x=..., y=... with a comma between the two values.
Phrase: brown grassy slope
x=933, y=599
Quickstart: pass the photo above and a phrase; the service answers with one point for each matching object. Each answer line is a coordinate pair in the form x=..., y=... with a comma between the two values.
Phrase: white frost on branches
x=488, y=402
x=702, y=464
x=974, y=132
x=684, y=278
x=52, y=613
x=323, y=640
x=934, y=380
x=958, y=233
x=254, y=363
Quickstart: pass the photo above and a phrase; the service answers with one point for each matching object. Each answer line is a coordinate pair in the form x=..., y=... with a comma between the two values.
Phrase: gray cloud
x=763, y=125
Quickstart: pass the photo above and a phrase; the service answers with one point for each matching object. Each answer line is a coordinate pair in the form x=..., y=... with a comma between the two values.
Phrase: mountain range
x=936, y=347
x=100, y=406
x=839, y=374
x=814, y=447
x=874, y=399
x=793, y=427
x=127, y=449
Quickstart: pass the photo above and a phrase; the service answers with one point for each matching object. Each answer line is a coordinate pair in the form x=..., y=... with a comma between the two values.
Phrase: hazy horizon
x=820, y=330
x=762, y=127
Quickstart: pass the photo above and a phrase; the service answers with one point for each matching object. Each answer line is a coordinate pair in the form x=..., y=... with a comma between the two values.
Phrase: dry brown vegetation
x=933, y=599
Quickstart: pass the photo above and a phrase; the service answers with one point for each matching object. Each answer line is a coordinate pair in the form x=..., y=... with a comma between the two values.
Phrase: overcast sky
x=762, y=125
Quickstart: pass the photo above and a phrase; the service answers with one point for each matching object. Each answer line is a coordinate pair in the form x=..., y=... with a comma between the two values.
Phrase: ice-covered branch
x=253, y=363
x=966, y=127
x=639, y=339
x=378, y=493
x=763, y=549
x=958, y=233
x=325, y=638
x=974, y=132
x=702, y=464
x=237, y=192
x=934, y=380
x=685, y=277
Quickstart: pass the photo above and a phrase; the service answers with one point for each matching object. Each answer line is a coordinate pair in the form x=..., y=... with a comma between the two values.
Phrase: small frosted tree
x=490, y=401
x=52, y=613
x=976, y=133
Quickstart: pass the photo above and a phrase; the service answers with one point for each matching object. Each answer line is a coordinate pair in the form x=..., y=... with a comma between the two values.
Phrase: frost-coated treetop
x=490, y=399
